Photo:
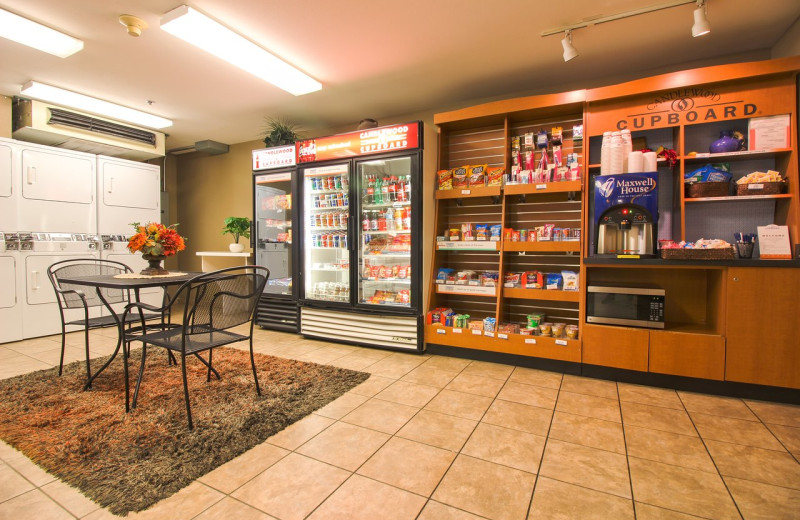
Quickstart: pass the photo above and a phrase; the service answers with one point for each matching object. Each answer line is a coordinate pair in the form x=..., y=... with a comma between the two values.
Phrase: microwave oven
x=630, y=306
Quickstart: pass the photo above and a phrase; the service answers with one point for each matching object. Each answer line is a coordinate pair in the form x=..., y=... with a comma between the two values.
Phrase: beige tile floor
x=436, y=438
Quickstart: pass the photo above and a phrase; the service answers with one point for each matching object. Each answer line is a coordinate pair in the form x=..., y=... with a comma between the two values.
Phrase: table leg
x=120, y=336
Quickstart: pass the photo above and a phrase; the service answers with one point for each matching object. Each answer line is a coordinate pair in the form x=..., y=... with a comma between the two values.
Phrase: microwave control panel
x=657, y=308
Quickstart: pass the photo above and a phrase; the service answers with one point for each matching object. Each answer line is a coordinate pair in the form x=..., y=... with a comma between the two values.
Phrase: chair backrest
x=222, y=299
x=86, y=267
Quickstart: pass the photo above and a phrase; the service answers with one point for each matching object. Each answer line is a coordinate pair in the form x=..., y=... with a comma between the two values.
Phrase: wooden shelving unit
x=705, y=335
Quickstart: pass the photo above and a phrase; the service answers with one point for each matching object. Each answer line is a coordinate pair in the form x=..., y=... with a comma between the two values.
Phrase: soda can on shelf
x=336, y=240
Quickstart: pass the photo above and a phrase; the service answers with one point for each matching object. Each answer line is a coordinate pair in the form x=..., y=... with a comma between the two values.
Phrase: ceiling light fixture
x=701, y=25
x=32, y=34
x=570, y=51
x=566, y=42
x=203, y=32
x=42, y=92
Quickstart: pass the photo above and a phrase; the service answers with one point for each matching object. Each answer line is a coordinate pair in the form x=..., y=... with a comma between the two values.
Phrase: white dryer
x=10, y=293
x=38, y=251
x=57, y=189
x=127, y=192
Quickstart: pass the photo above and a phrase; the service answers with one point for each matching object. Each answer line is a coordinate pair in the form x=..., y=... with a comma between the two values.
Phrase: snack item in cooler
x=558, y=329
x=570, y=279
x=476, y=175
x=494, y=175
x=460, y=177
x=481, y=232
x=489, y=324
x=404, y=296
x=402, y=273
x=553, y=281
x=532, y=280
x=571, y=331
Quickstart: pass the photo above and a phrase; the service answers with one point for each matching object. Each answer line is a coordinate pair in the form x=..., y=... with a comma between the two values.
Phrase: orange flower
x=156, y=239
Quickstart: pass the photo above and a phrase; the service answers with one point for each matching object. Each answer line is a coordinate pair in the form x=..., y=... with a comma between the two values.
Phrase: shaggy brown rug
x=127, y=462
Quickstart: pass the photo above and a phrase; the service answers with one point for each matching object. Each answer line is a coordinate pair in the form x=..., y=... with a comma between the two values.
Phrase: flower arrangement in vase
x=156, y=242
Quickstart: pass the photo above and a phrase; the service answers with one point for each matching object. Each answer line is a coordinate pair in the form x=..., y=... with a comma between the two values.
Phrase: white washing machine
x=127, y=192
x=57, y=189
x=10, y=294
x=38, y=251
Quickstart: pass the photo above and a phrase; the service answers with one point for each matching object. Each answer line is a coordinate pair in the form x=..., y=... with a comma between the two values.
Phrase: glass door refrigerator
x=274, y=224
x=361, y=221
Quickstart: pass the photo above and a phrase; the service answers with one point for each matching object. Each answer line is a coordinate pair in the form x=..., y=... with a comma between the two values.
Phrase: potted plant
x=279, y=132
x=238, y=227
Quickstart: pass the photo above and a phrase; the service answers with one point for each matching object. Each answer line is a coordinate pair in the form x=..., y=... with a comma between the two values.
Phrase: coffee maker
x=626, y=215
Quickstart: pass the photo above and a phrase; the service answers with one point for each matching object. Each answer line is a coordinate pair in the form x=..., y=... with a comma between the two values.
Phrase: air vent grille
x=71, y=119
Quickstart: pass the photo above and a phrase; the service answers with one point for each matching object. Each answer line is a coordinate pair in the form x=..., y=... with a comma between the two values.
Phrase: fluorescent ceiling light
x=43, y=92
x=203, y=32
x=32, y=34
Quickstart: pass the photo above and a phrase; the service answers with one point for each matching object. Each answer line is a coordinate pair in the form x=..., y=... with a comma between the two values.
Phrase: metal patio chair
x=76, y=297
x=213, y=304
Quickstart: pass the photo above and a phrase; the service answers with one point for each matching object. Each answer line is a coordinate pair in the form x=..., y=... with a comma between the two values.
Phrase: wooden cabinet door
x=618, y=347
x=685, y=354
x=763, y=326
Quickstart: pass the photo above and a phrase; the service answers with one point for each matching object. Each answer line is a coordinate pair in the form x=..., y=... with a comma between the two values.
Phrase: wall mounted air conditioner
x=48, y=124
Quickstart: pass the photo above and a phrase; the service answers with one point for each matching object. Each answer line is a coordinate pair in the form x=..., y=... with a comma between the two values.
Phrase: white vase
x=236, y=247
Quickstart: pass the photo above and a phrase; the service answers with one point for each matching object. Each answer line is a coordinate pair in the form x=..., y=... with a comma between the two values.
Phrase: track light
x=570, y=51
x=701, y=25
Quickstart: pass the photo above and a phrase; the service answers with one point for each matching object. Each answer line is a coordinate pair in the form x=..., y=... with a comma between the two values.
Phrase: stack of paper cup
x=635, y=162
x=650, y=162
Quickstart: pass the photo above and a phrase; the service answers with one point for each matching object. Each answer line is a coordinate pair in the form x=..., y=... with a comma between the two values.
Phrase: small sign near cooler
x=276, y=157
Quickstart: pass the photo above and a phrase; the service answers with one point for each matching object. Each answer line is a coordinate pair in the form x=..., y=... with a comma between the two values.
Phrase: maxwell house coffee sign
x=688, y=105
x=364, y=142
x=629, y=188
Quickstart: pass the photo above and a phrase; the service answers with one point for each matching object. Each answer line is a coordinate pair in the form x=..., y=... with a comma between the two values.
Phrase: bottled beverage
x=605, y=154
x=407, y=218
x=373, y=221
x=399, y=223
x=381, y=221
x=408, y=187
x=385, y=190
x=337, y=182
x=401, y=189
x=627, y=148
x=392, y=189
x=389, y=216
x=378, y=196
x=345, y=182
x=365, y=222
x=366, y=193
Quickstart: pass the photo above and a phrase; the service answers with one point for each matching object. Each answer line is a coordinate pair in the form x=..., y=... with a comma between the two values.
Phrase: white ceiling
x=375, y=58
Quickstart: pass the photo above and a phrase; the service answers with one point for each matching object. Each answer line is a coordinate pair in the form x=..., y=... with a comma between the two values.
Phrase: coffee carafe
x=627, y=229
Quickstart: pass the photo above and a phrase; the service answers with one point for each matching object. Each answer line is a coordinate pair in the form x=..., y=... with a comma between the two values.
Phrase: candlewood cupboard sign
x=691, y=105
x=687, y=106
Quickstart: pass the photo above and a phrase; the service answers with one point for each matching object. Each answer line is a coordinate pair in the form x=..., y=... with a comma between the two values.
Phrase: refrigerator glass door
x=326, y=253
x=384, y=236
x=273, y=240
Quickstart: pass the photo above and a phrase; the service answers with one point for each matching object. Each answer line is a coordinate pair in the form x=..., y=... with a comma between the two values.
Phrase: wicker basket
x=697, y=190
x=760, y=188
x=726, y=253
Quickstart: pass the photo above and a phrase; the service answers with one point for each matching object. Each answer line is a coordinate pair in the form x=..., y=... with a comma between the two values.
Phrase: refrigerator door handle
x=351, y=244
